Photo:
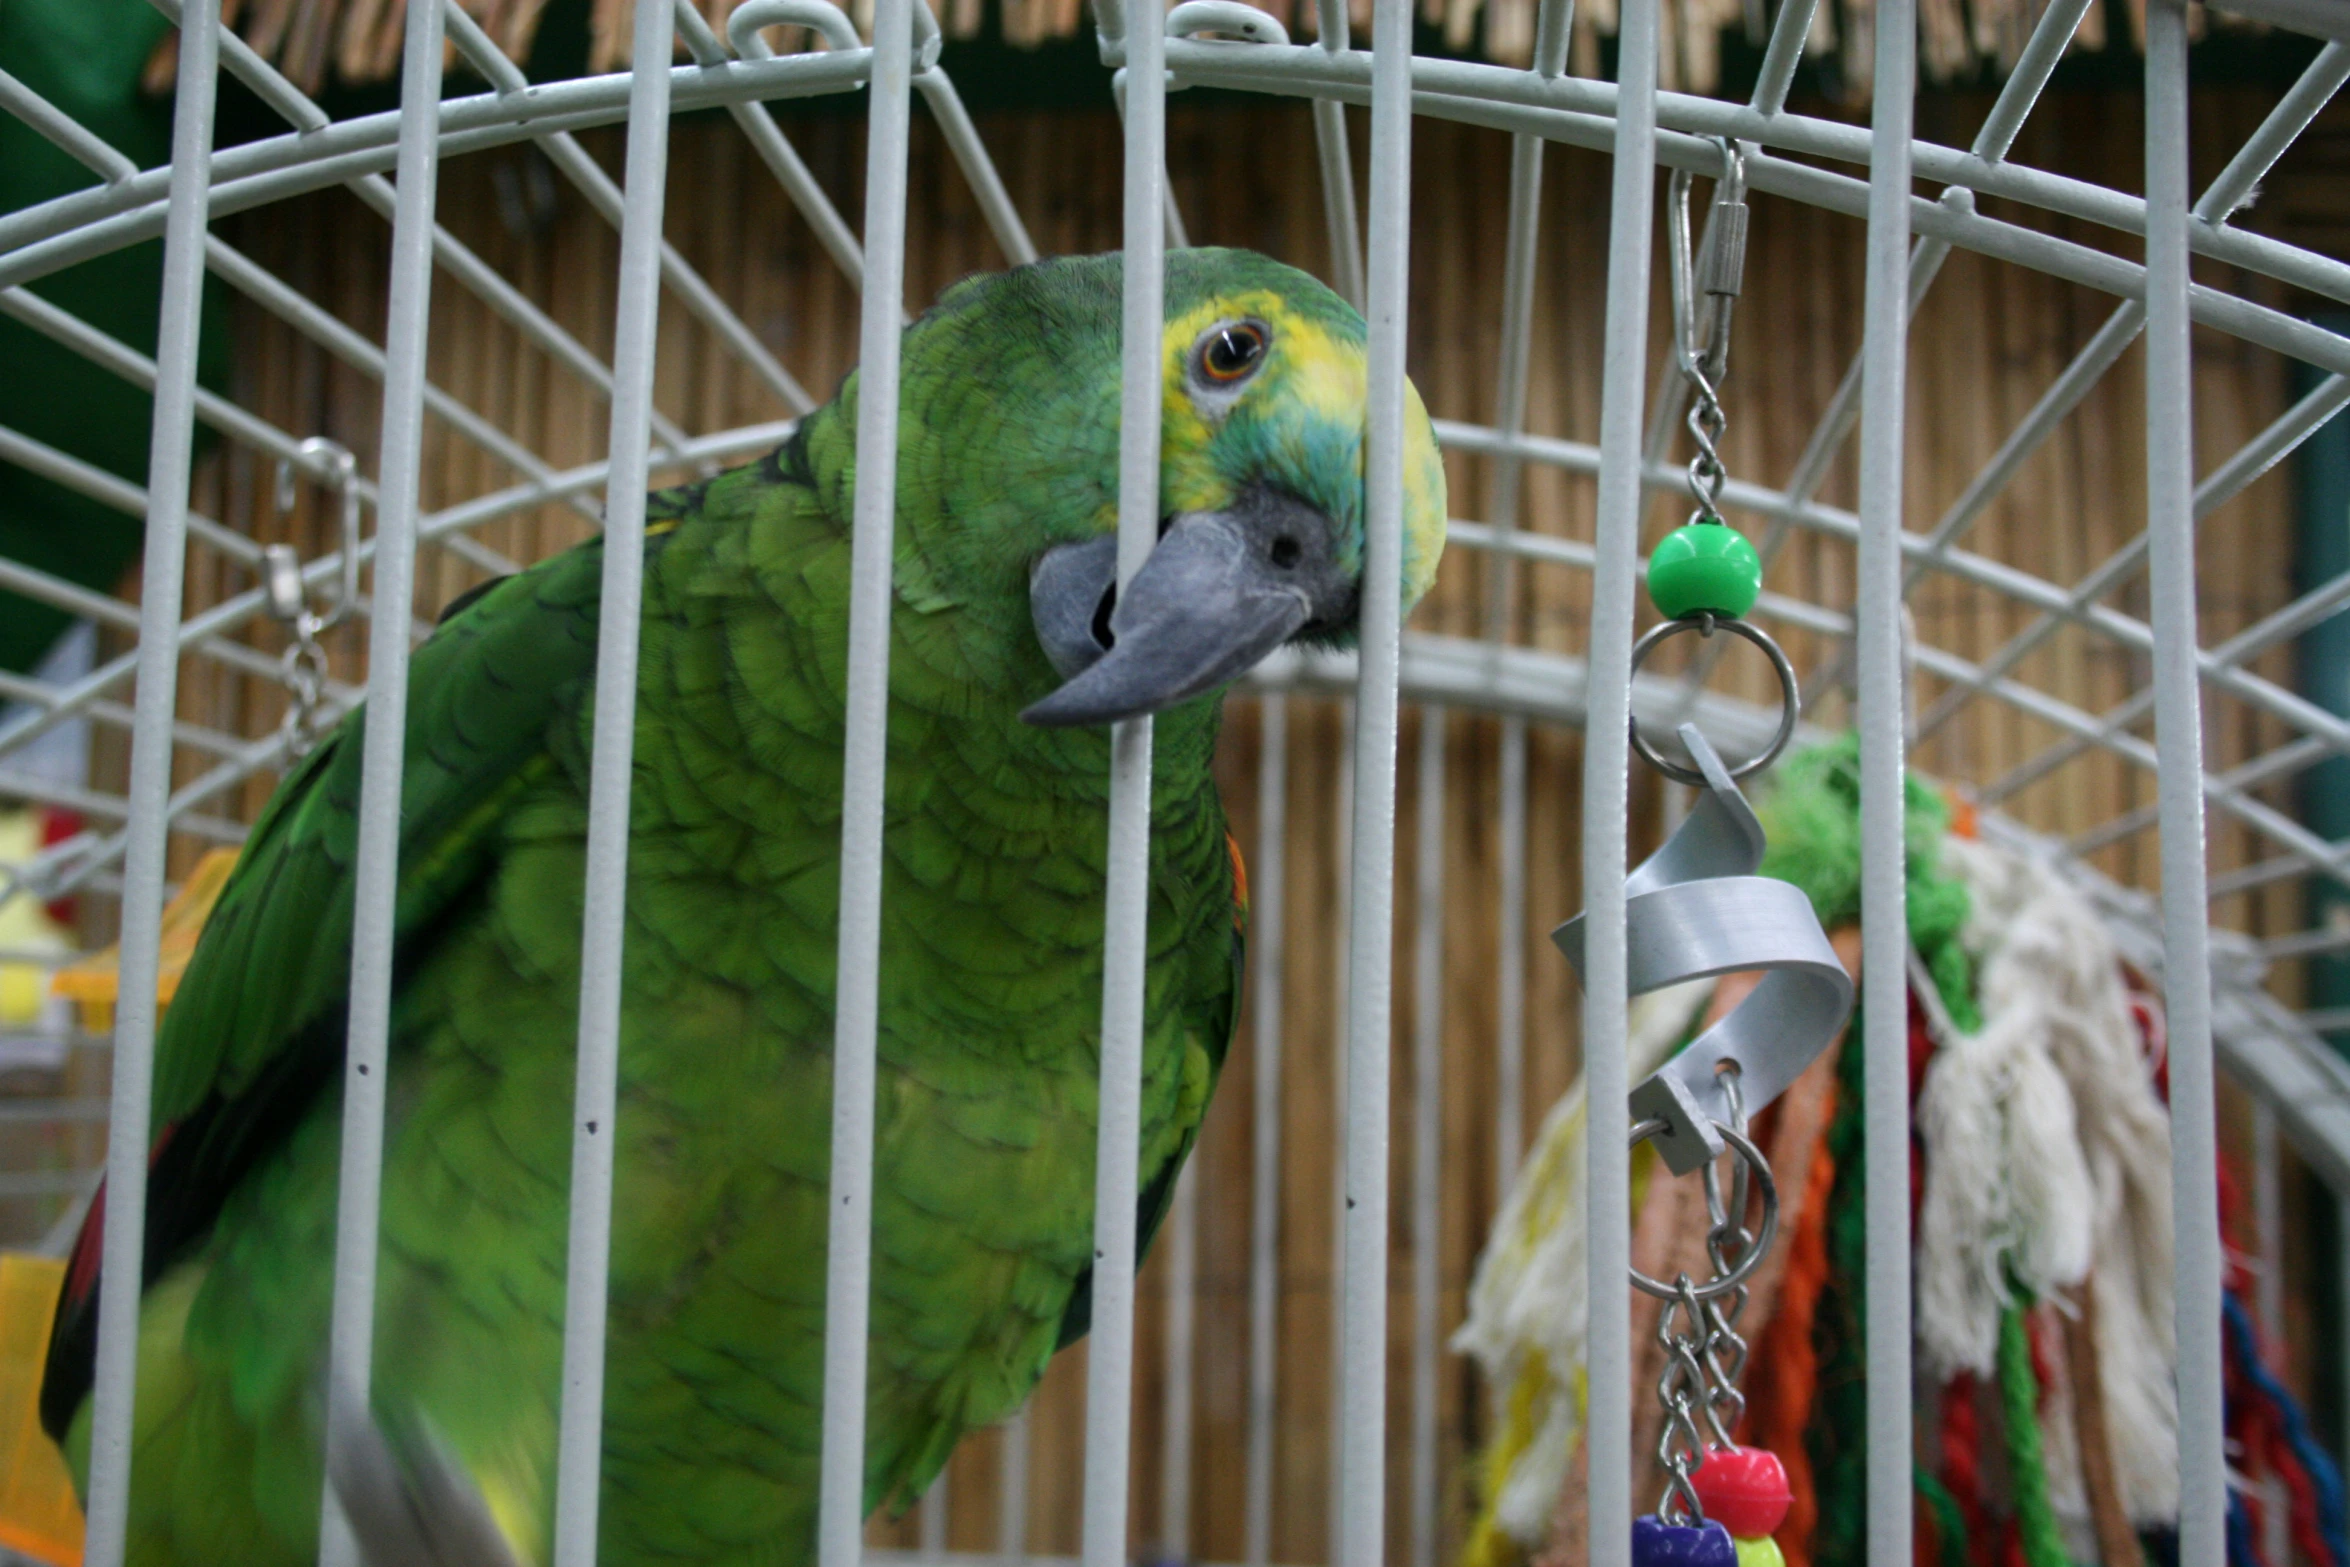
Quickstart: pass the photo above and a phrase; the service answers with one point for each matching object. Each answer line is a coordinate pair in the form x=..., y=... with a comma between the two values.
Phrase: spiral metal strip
x=1696, y=910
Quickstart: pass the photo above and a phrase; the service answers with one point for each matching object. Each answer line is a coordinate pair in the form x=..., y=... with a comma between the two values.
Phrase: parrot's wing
x=256, y=1029
x=1213, y=1030
x=1208, y=1023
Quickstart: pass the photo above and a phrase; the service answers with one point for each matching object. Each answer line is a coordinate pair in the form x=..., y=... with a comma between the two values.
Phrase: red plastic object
x=57, y=825
x=1745, y=1489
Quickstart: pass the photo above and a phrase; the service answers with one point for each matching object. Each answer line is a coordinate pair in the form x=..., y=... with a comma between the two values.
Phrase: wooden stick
x=1802, y=1120
x=1570, y=1528
x=2117, y=1542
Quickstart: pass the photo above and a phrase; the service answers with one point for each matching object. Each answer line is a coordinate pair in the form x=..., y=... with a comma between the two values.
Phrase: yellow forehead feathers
x=1324, y=379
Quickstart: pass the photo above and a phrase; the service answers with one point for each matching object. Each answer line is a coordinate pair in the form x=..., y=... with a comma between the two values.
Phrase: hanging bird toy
x=1694, y=910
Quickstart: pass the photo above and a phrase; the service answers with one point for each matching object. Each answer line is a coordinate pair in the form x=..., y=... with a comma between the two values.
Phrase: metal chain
x=303, y=666
x=1681, y=1389
x=1698, y=1326
x=1707, y=475
x=1726, y=1244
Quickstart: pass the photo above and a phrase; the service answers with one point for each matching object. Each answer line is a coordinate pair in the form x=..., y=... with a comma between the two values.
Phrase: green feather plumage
x=990, y=996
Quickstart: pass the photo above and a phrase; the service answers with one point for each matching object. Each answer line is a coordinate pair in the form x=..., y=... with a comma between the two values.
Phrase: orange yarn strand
x=1784, y=1372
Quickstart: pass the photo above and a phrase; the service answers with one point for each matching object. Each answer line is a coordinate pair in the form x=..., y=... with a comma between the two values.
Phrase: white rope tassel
x=2007, y=1190
x=2047, y=1158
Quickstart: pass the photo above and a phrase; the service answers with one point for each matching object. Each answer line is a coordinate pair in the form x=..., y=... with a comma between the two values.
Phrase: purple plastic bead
x=1656, y=1543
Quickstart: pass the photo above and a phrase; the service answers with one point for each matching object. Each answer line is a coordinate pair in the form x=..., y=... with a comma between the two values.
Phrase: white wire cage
x=2222, y=988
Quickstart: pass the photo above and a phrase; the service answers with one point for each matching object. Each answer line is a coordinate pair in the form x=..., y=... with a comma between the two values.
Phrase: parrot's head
x=1261, y=499
x=1262, y=509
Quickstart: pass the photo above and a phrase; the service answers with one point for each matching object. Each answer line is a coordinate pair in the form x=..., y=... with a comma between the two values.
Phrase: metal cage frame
x=2219, y=1012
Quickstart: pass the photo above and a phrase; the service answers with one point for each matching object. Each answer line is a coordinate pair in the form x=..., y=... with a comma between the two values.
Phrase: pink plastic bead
x=1745, y=1488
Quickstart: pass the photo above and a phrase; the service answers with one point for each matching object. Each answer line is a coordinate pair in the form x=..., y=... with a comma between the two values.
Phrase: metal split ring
x=1756, y=1249
x=1706, y=623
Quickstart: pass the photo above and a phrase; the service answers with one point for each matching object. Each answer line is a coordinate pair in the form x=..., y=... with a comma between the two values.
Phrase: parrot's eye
x=1231, y=352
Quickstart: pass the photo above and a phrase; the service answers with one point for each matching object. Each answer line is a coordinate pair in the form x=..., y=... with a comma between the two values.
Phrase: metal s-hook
x=827, y=21
x=1225, y=19
x=821, y=17
x=304, y=663
x=342, y=476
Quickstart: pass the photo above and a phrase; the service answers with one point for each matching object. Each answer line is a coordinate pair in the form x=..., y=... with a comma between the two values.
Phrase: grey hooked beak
x=1220, y=591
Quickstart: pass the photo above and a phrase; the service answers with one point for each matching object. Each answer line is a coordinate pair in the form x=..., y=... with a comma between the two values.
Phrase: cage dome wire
x=2259, y=1040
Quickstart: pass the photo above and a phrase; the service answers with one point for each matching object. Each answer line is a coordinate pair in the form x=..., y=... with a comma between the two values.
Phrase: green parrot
x=1011, y=649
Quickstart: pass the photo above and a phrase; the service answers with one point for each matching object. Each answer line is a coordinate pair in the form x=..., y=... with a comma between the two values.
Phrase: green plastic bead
x=1704, y=566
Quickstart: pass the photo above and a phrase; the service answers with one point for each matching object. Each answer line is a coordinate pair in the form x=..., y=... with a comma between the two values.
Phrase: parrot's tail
x=408, y=1498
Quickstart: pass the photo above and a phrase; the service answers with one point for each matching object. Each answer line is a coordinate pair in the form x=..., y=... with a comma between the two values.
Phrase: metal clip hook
x=1719, y=274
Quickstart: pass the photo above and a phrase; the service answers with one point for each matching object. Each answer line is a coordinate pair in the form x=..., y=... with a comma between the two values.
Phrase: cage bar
x=1109, y=1366
x=1181, y=1328
x=1267, y=930
x=375, y=880
x=1606, y=792
x=611, y=769
x=1427, y=1133
x=2178, y=719
x=169, y=463
x=1878, y=643
x=840, y=1519
x=1362, y=1393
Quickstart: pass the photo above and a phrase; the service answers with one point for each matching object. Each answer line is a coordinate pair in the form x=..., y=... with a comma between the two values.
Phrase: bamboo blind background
x=1987, y=343
x=357, y=42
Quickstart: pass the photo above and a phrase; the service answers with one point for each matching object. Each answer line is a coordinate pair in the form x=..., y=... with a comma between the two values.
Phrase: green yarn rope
x=2019, y=1409
x=1837, y=1437
x=1812, y=819
x=1949, y=1521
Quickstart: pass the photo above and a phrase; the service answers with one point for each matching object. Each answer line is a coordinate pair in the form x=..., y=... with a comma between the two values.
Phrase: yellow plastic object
x=1761, y=1552
x=95, y=982
x=40, y=1516
x=25, y=927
